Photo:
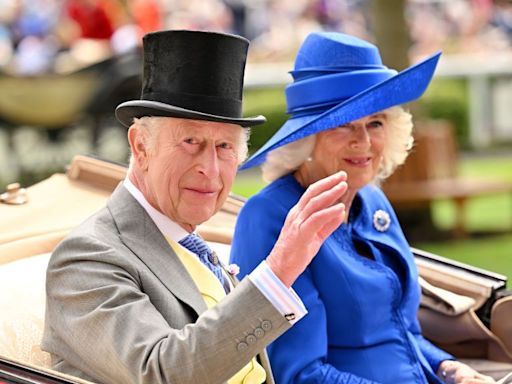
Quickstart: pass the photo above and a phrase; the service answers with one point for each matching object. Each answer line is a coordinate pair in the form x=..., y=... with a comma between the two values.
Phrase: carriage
x=464, y=310
x=55, y=102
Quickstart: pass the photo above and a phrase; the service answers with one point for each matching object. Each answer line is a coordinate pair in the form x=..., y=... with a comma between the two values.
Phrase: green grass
x=491, y=253
x=486, y=213
x=483, y=214
x=247, y=183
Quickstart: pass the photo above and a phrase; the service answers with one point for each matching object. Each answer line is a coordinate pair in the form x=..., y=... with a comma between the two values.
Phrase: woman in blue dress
x=361, y=290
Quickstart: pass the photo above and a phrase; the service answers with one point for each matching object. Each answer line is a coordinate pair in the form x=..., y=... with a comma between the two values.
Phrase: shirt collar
x=169, y=228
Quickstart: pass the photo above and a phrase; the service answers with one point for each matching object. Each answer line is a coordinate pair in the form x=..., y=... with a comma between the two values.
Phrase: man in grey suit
x=127, y=302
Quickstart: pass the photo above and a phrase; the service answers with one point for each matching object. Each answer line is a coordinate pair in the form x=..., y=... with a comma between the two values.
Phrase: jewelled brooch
x=381, y=220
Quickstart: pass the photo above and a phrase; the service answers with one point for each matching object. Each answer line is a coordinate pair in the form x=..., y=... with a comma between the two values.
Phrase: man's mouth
x=203, y=191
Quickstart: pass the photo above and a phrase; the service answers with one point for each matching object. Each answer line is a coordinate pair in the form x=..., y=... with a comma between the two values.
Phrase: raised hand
x=316, y=215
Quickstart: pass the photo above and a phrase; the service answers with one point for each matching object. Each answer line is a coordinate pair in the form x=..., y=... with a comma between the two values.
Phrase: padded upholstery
x=501, y=320
x=22, y=306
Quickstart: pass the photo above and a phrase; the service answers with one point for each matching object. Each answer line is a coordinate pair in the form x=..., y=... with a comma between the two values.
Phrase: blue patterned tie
x=197, y=245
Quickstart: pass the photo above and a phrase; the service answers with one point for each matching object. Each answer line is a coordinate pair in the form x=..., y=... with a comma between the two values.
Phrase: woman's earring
x=309, y=159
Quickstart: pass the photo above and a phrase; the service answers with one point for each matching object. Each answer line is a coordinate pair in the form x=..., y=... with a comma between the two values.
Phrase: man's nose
x=208, y=162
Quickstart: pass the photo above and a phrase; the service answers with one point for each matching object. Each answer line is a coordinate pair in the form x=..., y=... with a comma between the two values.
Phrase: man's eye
x=225, y=146
x=190, y=140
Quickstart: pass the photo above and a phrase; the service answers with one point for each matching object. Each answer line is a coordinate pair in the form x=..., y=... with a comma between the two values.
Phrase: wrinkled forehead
x=174, y=126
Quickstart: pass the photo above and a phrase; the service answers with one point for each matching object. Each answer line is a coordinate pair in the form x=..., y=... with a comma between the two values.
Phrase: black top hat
x=192, y=75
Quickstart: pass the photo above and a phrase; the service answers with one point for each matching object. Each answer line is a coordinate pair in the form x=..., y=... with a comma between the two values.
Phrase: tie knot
x=195, y=244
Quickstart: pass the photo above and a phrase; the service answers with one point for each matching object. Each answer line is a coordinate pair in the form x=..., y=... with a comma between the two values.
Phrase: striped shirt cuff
x=284, y=299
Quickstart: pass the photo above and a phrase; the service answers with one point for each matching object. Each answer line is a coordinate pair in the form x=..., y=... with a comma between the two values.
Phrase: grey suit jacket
x=121, y=308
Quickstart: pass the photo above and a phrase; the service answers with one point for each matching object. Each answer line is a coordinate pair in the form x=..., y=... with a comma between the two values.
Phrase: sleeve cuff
x=284, y=299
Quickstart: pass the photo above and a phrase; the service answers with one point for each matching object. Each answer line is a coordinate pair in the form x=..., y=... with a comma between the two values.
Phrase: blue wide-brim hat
x=338, y=79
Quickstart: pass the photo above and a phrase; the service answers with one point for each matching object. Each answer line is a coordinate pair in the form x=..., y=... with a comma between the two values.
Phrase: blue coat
x=361, y=325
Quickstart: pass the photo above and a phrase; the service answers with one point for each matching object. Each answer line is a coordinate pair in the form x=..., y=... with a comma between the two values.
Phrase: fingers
x=321, y=195
x=322, y=201
x=307, y=225
x=321, y=186
x=485, y=378
x=325, y=221
x=464, y=374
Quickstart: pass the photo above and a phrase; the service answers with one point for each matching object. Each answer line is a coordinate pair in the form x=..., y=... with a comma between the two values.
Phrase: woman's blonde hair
x=289, y=157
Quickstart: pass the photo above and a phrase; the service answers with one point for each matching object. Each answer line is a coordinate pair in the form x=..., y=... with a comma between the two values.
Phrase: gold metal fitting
x=14, y=195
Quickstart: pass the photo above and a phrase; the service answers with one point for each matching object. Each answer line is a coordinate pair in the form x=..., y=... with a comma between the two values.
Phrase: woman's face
x=355, y=147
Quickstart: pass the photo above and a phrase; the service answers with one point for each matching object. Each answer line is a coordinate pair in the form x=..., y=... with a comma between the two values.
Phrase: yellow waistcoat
x=212, y=291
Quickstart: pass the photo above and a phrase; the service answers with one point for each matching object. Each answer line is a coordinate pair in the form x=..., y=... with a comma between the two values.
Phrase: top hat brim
x=404, y=87
x=129, y=110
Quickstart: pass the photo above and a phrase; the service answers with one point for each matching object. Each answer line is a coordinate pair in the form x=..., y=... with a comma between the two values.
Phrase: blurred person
x=142, y=17
x=6, y=49
x=35, y=55
x=146, y=15
x=212, y=15
x=35, y=18
x=502, y=17
x=134, y=295
x=126, y=39
x=361, y=290
x=31, y=28
x=91, y=17
x=428, y=28
x=288, y=24
x=238, y=9
x=86, y=29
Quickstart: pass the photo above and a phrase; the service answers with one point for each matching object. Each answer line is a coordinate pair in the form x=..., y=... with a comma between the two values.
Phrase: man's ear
x=138, y=147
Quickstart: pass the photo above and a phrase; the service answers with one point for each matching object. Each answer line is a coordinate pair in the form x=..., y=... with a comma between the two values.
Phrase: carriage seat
x=22, y=306
x=22, y=309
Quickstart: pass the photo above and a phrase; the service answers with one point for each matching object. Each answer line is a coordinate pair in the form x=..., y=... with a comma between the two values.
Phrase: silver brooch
x=381, y=220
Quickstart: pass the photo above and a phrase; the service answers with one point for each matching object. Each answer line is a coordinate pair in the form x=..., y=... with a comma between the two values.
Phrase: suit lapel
x=232, y=278
x=140, y=234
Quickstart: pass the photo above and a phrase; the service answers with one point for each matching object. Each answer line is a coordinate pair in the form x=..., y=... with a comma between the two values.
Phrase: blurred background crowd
x=38, y=36
x=66, y=64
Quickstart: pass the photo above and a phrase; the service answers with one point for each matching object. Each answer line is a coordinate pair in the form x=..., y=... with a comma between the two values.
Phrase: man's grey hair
x=290, y=157
x=150, y=127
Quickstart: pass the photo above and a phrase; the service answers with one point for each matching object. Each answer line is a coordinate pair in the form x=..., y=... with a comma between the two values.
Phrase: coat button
x=259, y=333
x=266, y=325
x=250, y=339
x=242, y=346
